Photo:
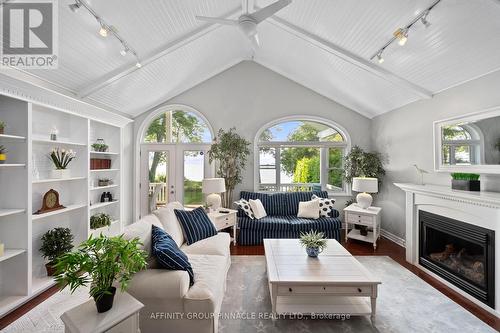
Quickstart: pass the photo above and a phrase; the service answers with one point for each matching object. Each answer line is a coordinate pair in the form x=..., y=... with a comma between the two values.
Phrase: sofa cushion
x=195, y=224
x=170, y=223
x=281, y=204
x=292, y=223
x=215, y=245
x=142, y=230
x=206, y=294
x=325, y=205
x=257, y=208
x=168, y=253
x=245, y=207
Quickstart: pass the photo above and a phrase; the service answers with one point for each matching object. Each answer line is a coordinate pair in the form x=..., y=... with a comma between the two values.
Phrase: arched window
x=461, y=144
x=301, y=154
x=178, y=126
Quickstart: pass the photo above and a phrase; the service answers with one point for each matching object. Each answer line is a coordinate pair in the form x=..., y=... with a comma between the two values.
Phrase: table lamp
x=365, y=185
x=213, y=187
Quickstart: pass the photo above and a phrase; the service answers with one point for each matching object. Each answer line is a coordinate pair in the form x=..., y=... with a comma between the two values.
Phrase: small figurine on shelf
x=100, y=146
x=104, y=182
x=104, y=197
x=110, y=197
x=53, y=134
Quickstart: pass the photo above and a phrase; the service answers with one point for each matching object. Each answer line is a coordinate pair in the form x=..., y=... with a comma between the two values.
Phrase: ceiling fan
x=247, y=22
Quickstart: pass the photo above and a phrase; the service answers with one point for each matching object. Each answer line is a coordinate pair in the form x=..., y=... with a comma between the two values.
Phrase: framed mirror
x=468, y=143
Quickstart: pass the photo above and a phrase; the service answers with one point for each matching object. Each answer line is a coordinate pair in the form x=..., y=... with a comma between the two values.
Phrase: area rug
x=405, y=304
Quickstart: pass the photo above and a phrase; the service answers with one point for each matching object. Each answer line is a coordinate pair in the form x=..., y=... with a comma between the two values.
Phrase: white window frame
x=323, y=145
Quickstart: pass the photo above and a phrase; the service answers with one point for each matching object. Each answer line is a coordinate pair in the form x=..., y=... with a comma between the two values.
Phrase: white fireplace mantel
x=477, y=208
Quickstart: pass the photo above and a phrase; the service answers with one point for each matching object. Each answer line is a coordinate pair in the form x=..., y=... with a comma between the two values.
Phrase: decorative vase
x=3, y=158
x=313, y=251
x=363, y=230
x=60, y=173
x=466, y=185
x=105, y=302
x=50, y=269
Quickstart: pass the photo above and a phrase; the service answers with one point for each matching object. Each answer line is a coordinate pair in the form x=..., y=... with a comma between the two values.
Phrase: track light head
x=124, y=51
x=380, y=59
x=75, y=6
x=103, y=31
x=138, y=64
x=424, y=20
x=402, y=36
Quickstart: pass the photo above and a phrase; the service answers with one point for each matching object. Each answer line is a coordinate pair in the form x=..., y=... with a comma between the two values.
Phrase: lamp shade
x=365, y=184
x=213, y=185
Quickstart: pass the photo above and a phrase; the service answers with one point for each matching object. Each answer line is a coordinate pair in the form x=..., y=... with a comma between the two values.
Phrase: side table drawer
x=359, y=219
x=224, y=222
x=330, y=290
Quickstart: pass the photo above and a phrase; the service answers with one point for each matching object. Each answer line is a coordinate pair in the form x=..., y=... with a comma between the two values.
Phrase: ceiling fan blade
x=217, y=20
x=270, y=10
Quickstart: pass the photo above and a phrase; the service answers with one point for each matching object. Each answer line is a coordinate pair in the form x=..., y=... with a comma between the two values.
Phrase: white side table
x=369, y=217
x=123, y=317
x=225, y=220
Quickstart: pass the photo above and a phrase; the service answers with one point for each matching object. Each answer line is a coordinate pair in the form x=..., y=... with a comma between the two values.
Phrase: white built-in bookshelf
x=26, y=176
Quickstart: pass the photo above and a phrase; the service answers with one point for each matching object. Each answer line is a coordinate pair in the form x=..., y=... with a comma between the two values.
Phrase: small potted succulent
x=2, y=127
x=55, y=243
x=3, y=155
x=100, y=220
x=100, y=263
x=465, y=181
x=61, y=159
x=314, y=242
x=100, y=146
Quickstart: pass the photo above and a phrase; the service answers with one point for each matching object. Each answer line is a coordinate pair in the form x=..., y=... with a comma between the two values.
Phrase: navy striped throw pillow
x=168, y=253
x=196, y=224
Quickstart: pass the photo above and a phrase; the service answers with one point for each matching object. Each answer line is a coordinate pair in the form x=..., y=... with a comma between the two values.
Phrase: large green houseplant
x=230, y=151
x=100, y=262
x=55, y=242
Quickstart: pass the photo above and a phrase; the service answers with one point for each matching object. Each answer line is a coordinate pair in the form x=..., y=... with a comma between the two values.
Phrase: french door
x=173, y=172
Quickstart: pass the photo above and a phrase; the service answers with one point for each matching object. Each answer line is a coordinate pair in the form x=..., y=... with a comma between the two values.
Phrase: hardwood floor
x=385, y=248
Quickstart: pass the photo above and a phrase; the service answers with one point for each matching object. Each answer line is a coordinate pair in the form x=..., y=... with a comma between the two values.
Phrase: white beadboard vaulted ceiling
x=324, y=45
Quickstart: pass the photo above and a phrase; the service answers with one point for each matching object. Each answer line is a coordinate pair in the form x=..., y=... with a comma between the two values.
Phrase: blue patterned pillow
x=196, y=224
x=168, y=253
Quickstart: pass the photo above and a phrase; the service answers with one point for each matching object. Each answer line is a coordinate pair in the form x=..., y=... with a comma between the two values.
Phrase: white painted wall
x=128, y=174
x=405, y=136
x=248, y=95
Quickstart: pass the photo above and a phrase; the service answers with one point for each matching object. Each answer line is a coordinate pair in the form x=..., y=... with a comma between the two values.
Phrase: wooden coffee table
x=333, y=283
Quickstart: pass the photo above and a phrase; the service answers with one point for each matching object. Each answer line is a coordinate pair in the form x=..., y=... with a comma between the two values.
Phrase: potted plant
x=100, y=220
x=99, y=263
x=314, y=242
x=2, y=127
x=465, y=181
x=104, y=182
x=3, y=155
x=61, y=159
x=100, y=146
x=55, y=243
x=230, y=151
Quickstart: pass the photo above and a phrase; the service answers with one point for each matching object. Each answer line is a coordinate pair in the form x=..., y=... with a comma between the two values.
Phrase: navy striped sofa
x=282, y=220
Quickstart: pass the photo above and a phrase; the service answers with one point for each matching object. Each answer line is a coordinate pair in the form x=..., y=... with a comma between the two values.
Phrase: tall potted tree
x=230, y=152
x=100, y=262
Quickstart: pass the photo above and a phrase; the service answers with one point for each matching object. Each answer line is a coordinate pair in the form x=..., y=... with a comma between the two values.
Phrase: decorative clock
x=50, y=202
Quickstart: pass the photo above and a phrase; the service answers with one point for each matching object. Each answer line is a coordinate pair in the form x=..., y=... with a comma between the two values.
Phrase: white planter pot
x=61, y=173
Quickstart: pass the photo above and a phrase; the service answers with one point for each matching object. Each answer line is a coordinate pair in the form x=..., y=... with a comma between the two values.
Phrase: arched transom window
x=301, y=155
x=461, y=144
x=178, y=126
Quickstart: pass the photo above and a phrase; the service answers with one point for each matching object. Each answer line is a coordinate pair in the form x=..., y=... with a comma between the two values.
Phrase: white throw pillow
x=169, y=221
x=258, y=208
x=309, y=209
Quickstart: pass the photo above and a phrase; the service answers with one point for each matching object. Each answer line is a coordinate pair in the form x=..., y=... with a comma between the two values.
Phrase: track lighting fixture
x=424, y=20
x=75, y=6
x=401, y=35
x=106, y=29
x=103, y=31
x=380, y=59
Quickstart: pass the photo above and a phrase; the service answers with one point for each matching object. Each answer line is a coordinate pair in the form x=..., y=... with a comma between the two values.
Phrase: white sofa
x=171, y=305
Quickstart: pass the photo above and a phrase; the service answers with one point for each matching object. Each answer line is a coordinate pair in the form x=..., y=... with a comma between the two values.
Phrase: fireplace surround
x=479, y=209
x=461, y=253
